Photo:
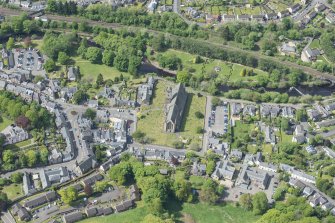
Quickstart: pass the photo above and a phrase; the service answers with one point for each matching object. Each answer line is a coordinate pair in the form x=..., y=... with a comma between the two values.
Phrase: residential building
x=198, y=169
x=228, y=18
x=40, y=199
x=244, y=18
x=124, y=205
x=330, y=17
x=314, y=114
x=250, y=110
x=55, y=157
x=145, y=91
x=308, y=191
x=319, y=7
x=283, y=14
x=296, y=184
x=224, y=170
x=72, y=73
x=236, y=109
x=72, y=217
x=329, y=152
x=53, y=176
x=14, y=134
x=299, y=134
x=294, y=8
x=236, y=155
x=309, y=54
x=85, y=165
x=175, y=108
x=325, y=123
x=288, y=49
x=20, y=212
x=296, y=174
x=310, y=149
x=271, y=16
x=253, y=177
x=269, y=167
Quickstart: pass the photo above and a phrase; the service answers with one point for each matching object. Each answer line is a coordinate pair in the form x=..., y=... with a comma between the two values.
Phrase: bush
x=178, y=145
x=199, y=115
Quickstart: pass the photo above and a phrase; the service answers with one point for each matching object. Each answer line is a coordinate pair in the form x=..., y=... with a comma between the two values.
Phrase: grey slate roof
x=175, y=108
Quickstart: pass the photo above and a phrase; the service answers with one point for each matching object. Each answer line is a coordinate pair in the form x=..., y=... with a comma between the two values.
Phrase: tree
x=183, y=77
x=215, y=101
x=27, y=42
x=49, y=65
x=243, y=72
x=68, y=195
x=8, y=157
x=199, y=115
x=79, y=96
x=16, y=177
x=100, y=80
x=82, y=48
x=100, y=186
x=284, y=124
x=301, y=115
x=90, y=113
x=195, y=146
x=122, y=173
x=32, y=158
x=63, y=58
x=259, y=203
x=183, y=190
x=209, y=192
x=108, y=57
x=94, y=55
x=10, y=43
x=44, y=154
x=22, y=121
x=210, y=167
x=246, y=201
x=3, y=201
x=138, y=135
x=158, y=43
x=88, y=190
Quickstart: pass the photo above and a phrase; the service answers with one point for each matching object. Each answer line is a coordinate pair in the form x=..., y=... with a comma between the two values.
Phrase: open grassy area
x=240, y=129
x=4, y=122
x=90, y=71
x=152, y=120
x=203, y=213
x=223, y=70
x=199, y=213
x=13, y=191
x=20, y=144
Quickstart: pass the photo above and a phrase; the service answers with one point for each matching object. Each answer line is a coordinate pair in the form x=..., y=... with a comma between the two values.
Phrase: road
x=308, y=70
x=206, y=126
x=310, y=7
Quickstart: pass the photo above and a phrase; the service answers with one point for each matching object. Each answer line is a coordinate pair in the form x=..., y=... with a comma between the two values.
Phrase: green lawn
x=4, y=122
x=228, y=71
x=90, y=71
x=19, y=144
x=199, y=213
x=152, y=120
x=13, y=191
x=203, y=213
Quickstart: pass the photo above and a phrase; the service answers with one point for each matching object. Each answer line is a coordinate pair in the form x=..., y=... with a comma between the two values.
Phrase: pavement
x=206, y=126
x=7, y=217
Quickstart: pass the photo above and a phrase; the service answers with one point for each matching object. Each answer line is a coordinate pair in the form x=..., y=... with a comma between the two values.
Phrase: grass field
x=4, y=122
x=152, y=121
x=199, y=213
x=202, y=213
x=19, y=144
x=225, y=70
x=90, y=71
x=13, y=191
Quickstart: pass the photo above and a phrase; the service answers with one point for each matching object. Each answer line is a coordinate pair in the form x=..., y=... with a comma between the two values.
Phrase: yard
x=13, y=191
x=21, y=144
x=90, y=71
x=151, y=119
x=4, y=122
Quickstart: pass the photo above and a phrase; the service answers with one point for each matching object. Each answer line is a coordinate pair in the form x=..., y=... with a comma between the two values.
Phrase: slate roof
x=175, y=108
x=72, y=217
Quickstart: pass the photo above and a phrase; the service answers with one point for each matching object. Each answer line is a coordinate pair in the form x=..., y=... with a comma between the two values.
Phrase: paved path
x=7, y=217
